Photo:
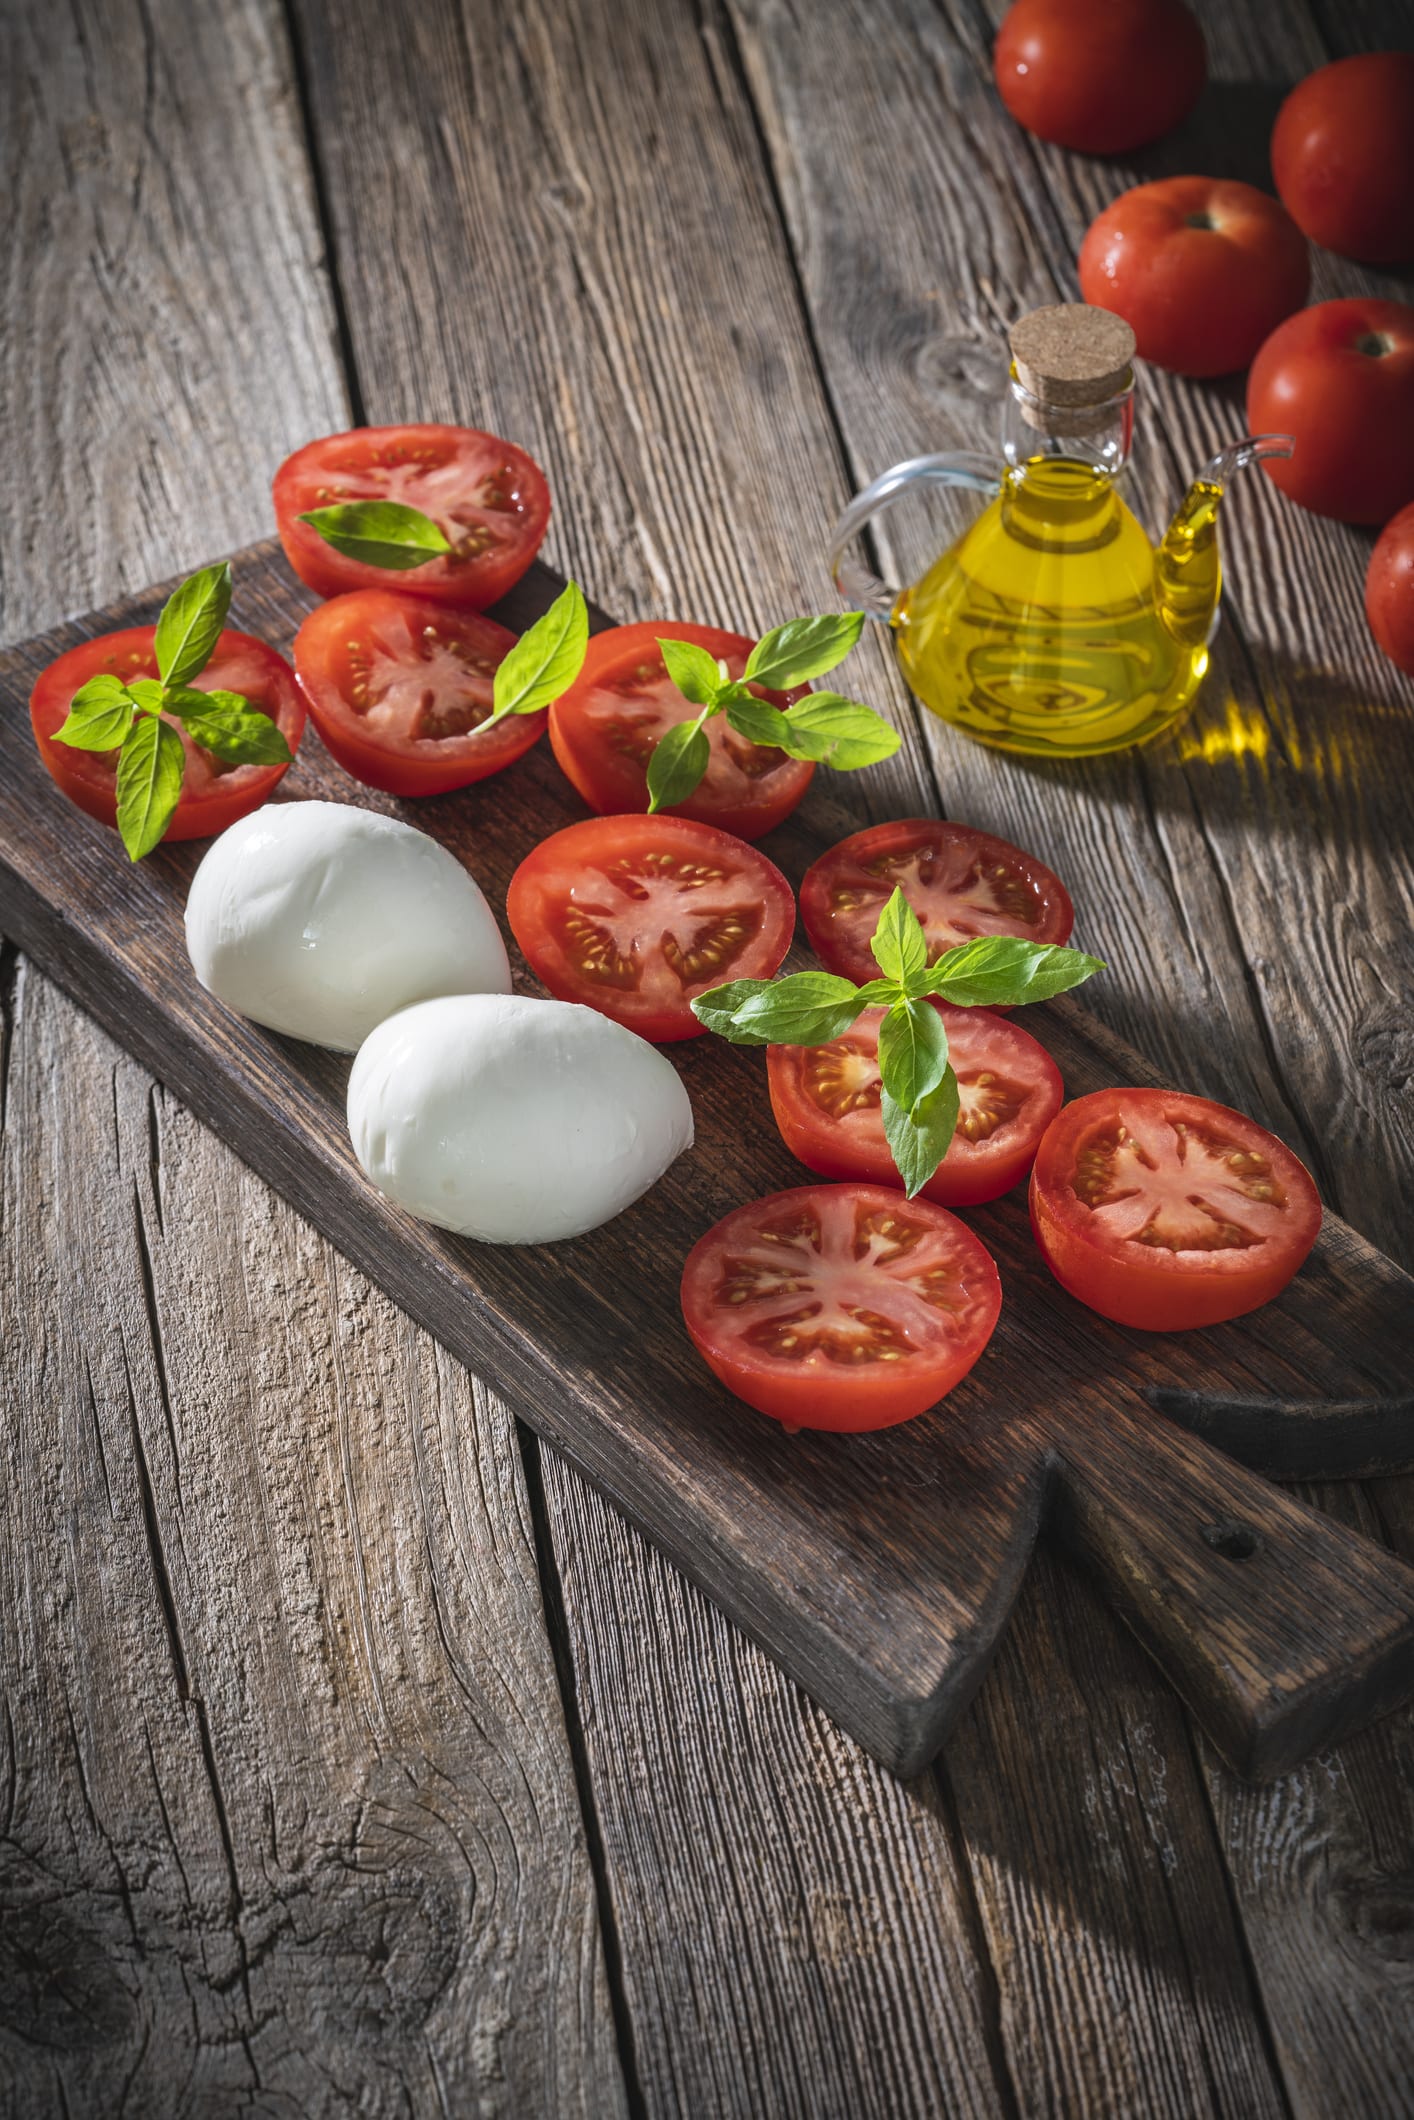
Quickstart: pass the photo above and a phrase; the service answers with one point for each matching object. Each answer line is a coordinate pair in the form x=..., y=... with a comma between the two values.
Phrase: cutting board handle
x=1283, y=1630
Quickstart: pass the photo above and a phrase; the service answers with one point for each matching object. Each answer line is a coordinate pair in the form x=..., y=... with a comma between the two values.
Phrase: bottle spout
x=1187, y=572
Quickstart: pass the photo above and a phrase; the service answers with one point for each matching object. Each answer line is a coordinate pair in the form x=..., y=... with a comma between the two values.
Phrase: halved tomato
x=638, y=915
x=399, y=687
x=214, y=794
x=488, y=498
x=960, y=882
x=1164, y=1211
x=604, y=728
x=840, y=1306
x=826, y=1102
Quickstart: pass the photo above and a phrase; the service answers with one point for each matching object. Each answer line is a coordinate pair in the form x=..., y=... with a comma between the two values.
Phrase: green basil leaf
x=229, y=726
x=881, y=993
x=1003, y=971
x=913, y=1052
x=898, y=944
x=679, y=760
x=803, y=648
x=379, y=533
x=756, y=719
x=148, y=692
x=919, y=1139
x=100, y=715
x=839, y=732
x=693, y=671
x=149, y=783
x=808, y=1008
x=545, y=661
x=191, y=623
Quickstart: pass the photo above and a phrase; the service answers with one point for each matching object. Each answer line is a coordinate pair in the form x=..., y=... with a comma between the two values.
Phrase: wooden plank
x=269, y=1833
x=1290, y=777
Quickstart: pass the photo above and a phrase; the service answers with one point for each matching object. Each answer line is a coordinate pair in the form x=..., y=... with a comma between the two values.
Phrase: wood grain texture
x=288, y=1813
x=290, y=1822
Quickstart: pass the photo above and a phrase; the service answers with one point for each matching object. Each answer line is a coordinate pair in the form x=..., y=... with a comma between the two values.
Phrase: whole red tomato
x=1202, y=270
x=1389, y=590
x=1339, y=379
x=1343, y=156
x=1099, y=75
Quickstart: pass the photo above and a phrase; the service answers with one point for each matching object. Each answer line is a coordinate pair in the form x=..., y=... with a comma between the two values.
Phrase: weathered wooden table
x=355, y=1757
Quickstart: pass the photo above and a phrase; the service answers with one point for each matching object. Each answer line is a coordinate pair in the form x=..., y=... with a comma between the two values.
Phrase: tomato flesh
x=488, y=498
x=960, y=882
x=214, y=794
x=826, y=1102
x=604, y=728
x=400, y=686
x=843, y=1307
x=637, y=915
x=1165, y=1211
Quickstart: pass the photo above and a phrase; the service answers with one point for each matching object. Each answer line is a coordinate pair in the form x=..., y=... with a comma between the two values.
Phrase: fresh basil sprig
x=545, y=661
x=380, y=533
x=131, y=717
x=824, y=727
x=919, y=1094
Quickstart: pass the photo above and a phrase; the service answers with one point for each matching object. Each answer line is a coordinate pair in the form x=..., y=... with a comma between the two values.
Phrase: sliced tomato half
x=488, y=498
x=826, y=1102
x=1164, y=1211
x=638, y=915
x=214, y=794
x=400, y=686
x=604, y=728
x=960, y=882
x=840, y=1306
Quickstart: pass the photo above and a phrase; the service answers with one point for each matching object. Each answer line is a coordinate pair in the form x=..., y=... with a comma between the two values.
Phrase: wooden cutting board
x=878, y=1570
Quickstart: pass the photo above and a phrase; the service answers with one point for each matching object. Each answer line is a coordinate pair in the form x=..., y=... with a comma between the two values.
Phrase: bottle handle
x=857, y=583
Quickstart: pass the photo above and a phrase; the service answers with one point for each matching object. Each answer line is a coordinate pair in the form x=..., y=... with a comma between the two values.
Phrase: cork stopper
x=1068, y=357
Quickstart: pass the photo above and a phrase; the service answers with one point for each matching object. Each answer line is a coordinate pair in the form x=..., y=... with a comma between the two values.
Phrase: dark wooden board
x=878, y=1570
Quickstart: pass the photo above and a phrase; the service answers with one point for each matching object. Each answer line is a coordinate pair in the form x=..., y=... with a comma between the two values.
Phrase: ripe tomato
x=959, y=881
x=637, y=915
x=489, y=499
x=840, y=1306
x=826, y=1102
x=1099, y=75
x=399, y=686
x=1389, y=590
x=604, y=728
x=214, y=794
x=1165, y=1211
x=1339, y=379
x=1200, y=269
x=1343, y=156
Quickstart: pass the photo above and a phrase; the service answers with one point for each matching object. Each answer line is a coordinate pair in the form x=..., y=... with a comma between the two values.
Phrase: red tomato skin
x=968, y=1175
x=617, y=785
x=1200, y=296
x=836, y=1406
x=133, y=653
x=472, y=586
x=529, y=907
x=1100, y=76
x=1153, y=1292
x=406, y=767
x=1389, y=590
x=1339, y=379
x=1343, y=156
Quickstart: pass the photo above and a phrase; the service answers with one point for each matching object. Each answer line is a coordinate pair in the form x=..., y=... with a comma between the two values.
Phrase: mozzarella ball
x=319, y=919
x=513, y=1120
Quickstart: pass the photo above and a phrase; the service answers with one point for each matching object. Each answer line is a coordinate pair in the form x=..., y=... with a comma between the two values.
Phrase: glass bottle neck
x=1093, y=437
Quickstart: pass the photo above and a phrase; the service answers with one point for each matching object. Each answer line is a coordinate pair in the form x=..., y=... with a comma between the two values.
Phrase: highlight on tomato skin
x=827, y=1105
x=635, y=916
x=1165, y=1211
x=840, y=1307
x=214, y=794
x=399, y=686
x=604, y=728
x=960, y=881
